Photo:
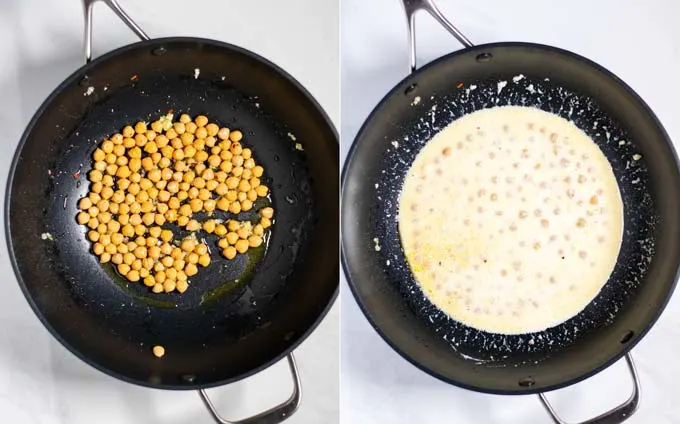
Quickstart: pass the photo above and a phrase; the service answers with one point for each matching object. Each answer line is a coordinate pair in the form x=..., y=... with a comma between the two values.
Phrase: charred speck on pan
x=629, y=168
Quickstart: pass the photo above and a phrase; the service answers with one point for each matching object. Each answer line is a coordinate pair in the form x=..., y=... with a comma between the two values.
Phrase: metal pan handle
x=413, y=6
x=113, y=5
x=617, y=415
x=274, y=415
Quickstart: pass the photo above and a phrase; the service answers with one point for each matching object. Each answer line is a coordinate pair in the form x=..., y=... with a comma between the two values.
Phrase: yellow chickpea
x=149, y=281
x=222, y=204
x=157, y=288
x=220, y=230
x=235, y=136
x=83, y=218
x=255, y=241
x=212, y=129
x=169, y=286
x=244, y=186
x=222, y=134
x=237, y=171
x=93, y=236
x=258, y=171
x=123, y=269
x=265, y=222
x=232, y=183
x=204, y=260
x=229, y=252
x=258, y=230
x=201, y=120
x=232, y=237
x=246, y=205
x=235, y=207
x=241, y=246
x=267, y=212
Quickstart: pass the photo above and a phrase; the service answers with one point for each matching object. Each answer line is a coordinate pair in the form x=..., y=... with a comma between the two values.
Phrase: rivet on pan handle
x=413, y=6
x=617, y=415
x=274, y=415
x=113, y=5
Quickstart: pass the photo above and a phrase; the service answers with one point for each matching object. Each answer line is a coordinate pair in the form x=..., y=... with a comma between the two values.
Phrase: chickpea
x=241, y=246
x=258, y=171
x=123, y=269
x=169, y=286
x=196, y=205
x=222, y=134
x=229, y=252
x=244, y=186
x=222, y=204
x=93, y=236
x=204, y=260
x=157, y=288
x=179, y=127
x=232, y=237
x=83, y=218
x=223, y=243
x=149, y=281
x=235, y=207
x=98, y=248
x=236, y=136
x=93, y=223
x=258, y=230
x=237, y=171
x=105, y=257
x=193, y=225
x=188, y=245
x=265, y=222
x=254, y=241
x=267, y=212
x=220, y=230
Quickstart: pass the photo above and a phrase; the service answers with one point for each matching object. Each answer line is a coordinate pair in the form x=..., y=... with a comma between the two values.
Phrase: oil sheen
x=511, y=220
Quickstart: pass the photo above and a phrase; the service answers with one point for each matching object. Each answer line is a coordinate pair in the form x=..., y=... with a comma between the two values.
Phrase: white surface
x=40, y=42
x=638, y=41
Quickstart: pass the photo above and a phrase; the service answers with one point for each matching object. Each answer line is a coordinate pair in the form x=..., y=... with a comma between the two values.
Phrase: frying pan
x=238, y=317
x=645, y=166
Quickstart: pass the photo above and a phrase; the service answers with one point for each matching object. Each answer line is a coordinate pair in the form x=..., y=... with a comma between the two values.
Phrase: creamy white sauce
x=511, y=220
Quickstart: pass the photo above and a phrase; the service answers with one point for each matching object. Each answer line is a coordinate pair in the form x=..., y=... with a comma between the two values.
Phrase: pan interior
x=237, y=316
x=522, y=75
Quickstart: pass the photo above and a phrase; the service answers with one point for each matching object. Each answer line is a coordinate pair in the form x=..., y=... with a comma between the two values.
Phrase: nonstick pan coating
x=556, y=81
x=237, y=316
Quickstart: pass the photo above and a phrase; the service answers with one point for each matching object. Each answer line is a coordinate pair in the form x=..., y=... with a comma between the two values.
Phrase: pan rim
x=49, y=100
x=352, y=279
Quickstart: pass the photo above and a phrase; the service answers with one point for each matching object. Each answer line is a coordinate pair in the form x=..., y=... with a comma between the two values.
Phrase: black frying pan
x=238, y=317
x=512, y=74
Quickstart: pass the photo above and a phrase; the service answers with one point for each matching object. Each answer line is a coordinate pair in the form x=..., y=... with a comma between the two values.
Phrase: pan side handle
x=274, y=415
x=617, y=415
x=113, y=5
x=413, y=6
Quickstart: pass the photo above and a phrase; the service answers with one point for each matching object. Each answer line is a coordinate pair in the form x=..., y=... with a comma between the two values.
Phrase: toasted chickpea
x=236, y=149
x=192, y=258
x=246, y=175
x=94, y=198
x=199, y=182
x=171, y=134
x=237, y=171
x=241, y=246
x=223, y=243
x=265, y=222
x=105, y=257
x=232, y=195
x=149, y=281
x=100, y=154
x=167, y=261
x=251, y=195
x=129, y=142
x=140, y=230
x=258, y=230
x=248, y=163
x=233, y=225
x=136, y=264
x=258, y=171
x=95, y=175
x=187, y=139
x=232, y=237
x=97, y=187
x=157, y=288
x=141, y=140
x=235, y=136
x=229, y=252
x=254, y=241
x=171, y=215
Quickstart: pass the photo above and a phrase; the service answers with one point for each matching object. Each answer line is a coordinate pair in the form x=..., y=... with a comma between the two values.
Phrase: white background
x=637, y=40
x=41, y=44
